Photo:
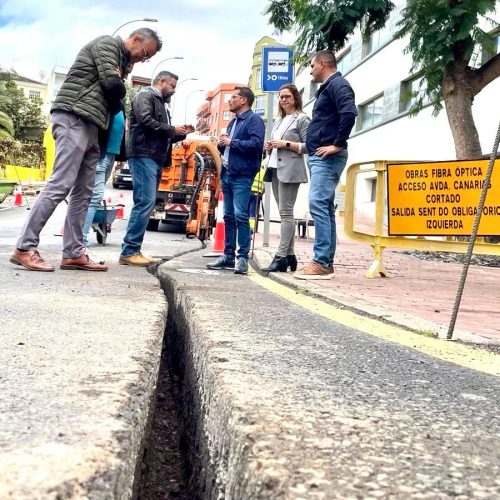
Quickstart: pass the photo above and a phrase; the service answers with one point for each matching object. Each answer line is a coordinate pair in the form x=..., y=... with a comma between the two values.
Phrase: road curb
x=262, y=258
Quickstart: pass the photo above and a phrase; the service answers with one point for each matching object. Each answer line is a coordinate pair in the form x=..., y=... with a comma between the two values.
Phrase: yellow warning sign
x=441, y=199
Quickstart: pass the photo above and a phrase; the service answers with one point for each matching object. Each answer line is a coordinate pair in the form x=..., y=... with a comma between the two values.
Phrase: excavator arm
x=201, y=219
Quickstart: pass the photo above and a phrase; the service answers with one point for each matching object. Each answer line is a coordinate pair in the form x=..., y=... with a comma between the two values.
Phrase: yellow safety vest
x=258, y=182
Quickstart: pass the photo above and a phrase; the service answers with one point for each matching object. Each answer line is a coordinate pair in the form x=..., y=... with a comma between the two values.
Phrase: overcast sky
x=215, y=37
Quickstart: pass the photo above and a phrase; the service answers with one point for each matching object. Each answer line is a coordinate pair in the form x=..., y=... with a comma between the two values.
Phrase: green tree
x=443, y=35
x=131, y=93
x=22, y=111
x=6, y=126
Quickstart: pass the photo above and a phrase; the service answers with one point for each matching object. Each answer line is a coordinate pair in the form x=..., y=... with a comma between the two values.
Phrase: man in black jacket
x=149, y=147
x=91, y=92
x=333, y=117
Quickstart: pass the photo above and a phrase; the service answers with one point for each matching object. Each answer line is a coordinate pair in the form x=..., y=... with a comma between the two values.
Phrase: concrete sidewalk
x=417, y=294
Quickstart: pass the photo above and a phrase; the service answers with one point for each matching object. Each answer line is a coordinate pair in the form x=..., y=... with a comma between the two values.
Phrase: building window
x=227, y=97
x=411, y=91
x=227, y=115
x=260, y=104
x=488, y=54
x=371, y=112
x=377, y=39
x=258, y=79
x=34, y=94
x=344, y=62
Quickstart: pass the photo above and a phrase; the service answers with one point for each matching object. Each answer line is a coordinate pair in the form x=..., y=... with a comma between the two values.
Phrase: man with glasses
x=149, y=149
x=242, y=148
x=89, y=95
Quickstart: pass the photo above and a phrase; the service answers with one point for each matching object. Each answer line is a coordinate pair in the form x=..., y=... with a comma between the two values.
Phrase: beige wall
x=32, y=89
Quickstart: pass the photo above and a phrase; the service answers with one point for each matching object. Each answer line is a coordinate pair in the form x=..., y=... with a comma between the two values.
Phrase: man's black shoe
x=223, y=262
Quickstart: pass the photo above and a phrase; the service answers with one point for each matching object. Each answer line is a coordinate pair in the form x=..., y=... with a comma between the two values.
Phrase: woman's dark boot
x=292, y=262
x=278, y=264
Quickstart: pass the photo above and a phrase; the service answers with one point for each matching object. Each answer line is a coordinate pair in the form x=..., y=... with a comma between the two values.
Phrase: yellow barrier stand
x=24, y=174
x=378, y=238
x=50, y=152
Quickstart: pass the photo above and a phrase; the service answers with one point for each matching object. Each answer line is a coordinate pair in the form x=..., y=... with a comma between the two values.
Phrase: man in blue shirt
x=242, y=149
x=333, y=117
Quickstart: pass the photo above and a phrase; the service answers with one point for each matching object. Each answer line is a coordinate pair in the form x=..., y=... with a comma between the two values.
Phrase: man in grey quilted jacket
x=91, y=92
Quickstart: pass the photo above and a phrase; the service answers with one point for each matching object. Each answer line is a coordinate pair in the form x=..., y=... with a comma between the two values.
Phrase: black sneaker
x=241, y=266
x=223, y=262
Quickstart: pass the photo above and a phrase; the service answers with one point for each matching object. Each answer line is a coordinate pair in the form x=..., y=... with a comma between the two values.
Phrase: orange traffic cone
x=220, y=230
x=121, y=208
x=18, y=197
x=120, y=214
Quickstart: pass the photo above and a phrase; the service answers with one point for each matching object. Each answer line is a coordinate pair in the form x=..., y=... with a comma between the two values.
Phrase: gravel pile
x=459, y=258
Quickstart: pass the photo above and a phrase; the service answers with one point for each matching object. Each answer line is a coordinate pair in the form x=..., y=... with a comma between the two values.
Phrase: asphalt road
x=299, y=405
x=79, y=356
x=296, y=404
x=166, y=242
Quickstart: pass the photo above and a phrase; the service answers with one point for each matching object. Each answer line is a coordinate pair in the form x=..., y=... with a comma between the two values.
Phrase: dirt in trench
x=164, y=469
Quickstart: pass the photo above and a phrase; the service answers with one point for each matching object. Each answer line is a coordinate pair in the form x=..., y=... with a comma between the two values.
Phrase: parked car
x=122, y=177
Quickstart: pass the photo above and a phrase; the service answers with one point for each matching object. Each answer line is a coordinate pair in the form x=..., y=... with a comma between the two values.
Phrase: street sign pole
x=268, y=185
x=277, y=70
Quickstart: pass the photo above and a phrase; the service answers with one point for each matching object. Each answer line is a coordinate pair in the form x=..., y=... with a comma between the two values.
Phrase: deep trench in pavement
x=165, y=469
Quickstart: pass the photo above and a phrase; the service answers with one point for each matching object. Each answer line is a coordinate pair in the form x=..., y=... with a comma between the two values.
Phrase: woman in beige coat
x=286, y=164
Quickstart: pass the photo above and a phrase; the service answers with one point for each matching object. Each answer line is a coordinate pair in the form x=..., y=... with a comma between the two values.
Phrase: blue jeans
x=237, y=193
x=146, y=175
x=102, y=173
x=325, y=176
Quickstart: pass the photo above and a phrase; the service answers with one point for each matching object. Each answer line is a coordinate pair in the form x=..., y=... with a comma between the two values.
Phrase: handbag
x=268, y=173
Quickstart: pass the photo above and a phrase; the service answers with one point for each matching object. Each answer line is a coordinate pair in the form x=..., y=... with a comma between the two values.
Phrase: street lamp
x=177, y=89
x=161, y=62
x=187, y=100
x=147, y=19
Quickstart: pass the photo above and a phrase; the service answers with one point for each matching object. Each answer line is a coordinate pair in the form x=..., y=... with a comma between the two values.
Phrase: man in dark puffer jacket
x=90, y=93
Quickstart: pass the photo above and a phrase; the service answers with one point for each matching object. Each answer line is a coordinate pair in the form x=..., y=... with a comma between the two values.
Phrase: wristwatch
x=287, y=145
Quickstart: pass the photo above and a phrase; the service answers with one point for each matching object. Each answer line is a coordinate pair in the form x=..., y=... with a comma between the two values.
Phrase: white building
x=56, y=79
x=379, y=73
x=32, y=89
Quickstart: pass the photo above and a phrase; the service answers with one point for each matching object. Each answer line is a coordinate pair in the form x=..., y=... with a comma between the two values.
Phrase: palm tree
x=6, y=123
x=6, y=126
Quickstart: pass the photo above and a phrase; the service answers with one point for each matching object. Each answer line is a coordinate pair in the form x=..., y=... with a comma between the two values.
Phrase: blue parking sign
x=277, y=68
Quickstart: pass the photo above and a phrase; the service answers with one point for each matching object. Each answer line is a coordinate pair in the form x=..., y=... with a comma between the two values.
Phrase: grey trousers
x=77, y=153
x=285, y=194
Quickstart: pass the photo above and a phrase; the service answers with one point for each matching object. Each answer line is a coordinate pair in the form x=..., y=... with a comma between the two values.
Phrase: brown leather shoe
x=82, y=263
x=135, y=260
x=31, y=260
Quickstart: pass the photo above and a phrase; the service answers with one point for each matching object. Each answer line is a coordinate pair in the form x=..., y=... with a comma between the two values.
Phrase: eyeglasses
x=146, y=55
x=235, y=96
x=283, y=97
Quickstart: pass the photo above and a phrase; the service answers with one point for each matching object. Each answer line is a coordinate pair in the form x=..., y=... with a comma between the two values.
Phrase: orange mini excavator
x=189, y=188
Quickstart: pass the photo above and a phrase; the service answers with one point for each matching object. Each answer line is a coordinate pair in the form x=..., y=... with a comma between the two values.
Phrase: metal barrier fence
x=378, y=239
